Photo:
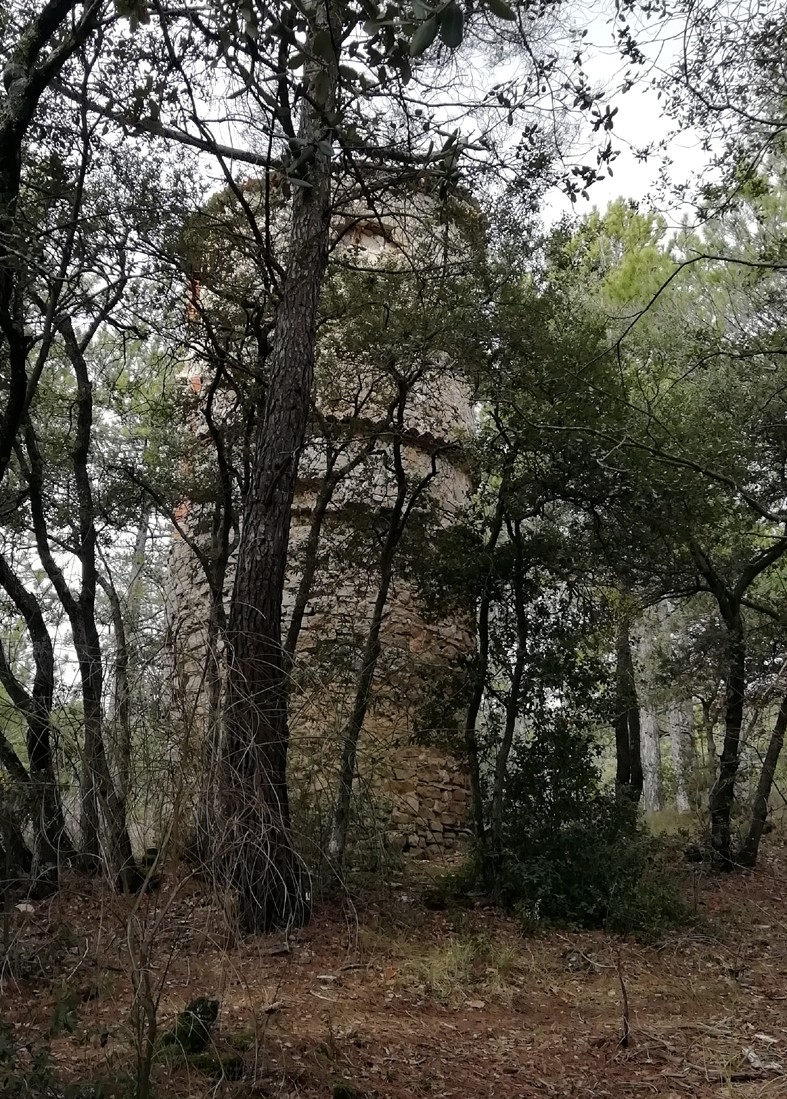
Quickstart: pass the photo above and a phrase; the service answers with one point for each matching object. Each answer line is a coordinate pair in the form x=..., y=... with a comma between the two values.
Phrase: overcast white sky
x=639, y=121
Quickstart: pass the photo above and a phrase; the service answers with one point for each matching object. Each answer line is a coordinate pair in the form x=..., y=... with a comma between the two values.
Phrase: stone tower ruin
x=387, y=443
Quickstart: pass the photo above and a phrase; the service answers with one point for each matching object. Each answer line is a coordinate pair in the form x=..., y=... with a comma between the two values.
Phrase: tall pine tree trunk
x=252, y=840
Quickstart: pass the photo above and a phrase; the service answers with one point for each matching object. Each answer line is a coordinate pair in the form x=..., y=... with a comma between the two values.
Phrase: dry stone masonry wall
x=411, y=780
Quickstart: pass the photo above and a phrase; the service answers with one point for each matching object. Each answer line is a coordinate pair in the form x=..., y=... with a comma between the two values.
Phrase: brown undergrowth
x=392, y=999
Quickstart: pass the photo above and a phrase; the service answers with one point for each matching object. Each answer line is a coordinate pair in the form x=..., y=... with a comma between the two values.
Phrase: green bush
x=577, y=854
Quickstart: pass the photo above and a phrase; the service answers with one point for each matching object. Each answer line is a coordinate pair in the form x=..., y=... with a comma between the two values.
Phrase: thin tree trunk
x=351, y=733
x=125, y=625
x=253, y=842
x=480, y=670
x=97, y=790
x=708, y=727
x=100, y=788
x=723, y=793
x=215, y=565
x=310, y=558
x=646, y=661
x=102, y=792
x=209, y=801
x=635, y=739
x=621, y=720
x=755, y=708
x=747, y=856
x=513, y=700
x=309, y=567
x=400, y=514
x=120, y=721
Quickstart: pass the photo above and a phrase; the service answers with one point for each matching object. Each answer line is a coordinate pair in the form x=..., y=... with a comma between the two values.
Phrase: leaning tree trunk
x=309, y=559
x=100, y=787
x=747, y=856
x=252, y=839
x=352, y=731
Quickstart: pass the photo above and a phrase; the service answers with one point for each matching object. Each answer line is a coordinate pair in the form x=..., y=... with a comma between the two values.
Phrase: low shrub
x=575, y=853
x=599, y=873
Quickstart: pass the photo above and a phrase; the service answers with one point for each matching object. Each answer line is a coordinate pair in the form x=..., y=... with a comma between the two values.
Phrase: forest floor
x=391, y=999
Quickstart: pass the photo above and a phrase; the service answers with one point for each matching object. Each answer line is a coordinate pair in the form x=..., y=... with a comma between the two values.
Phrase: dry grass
x=462, y=968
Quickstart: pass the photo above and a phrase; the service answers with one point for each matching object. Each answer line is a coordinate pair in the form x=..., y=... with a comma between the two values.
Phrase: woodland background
x=175, y=183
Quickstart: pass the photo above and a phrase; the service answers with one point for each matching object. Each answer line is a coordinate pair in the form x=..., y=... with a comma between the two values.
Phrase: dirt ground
x=391, y=999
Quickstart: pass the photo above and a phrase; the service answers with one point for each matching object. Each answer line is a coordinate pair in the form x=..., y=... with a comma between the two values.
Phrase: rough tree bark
x=252, y=839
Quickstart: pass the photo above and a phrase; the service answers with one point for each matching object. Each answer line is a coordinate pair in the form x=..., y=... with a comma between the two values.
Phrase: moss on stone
x=191, y=1032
